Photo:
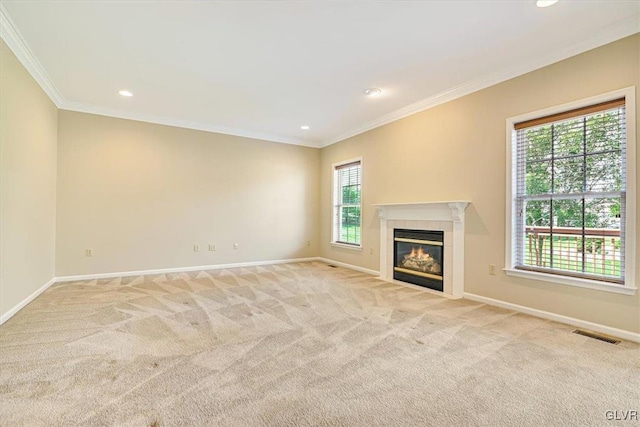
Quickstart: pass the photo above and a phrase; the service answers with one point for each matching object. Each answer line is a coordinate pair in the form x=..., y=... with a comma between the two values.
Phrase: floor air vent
x=597, y=336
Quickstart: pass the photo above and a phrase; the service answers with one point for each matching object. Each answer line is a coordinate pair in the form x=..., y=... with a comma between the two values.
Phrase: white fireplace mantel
x=447, y=216
x=435, y=211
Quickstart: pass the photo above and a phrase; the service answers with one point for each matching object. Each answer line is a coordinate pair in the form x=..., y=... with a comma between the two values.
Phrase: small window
x=347, y=203
x=569, y=193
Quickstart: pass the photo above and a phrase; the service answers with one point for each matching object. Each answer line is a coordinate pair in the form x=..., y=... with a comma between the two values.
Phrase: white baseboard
x=6, y=316
x=178, y=269
x=620, y=333
x=614, y=332
x=353, y=267
x=9, y=314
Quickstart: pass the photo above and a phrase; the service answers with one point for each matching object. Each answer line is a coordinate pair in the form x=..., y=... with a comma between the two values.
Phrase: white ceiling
x=263, y=69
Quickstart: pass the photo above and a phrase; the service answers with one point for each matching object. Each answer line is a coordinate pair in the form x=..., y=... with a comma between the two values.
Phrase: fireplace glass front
x=418, y=256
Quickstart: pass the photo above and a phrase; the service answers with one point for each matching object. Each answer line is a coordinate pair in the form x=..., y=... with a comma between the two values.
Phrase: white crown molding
x=180, y=123
x=12, y=37
x=607, y=35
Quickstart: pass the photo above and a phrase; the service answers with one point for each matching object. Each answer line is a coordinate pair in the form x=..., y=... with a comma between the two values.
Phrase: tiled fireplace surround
x=441, y=216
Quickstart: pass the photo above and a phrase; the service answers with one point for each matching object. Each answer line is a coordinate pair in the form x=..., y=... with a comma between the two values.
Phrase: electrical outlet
x=235, y=246
x=308, y=242
x=492, y=269
x=89, y=252
x=370, y=251
x=196, y=248
x=212, y=247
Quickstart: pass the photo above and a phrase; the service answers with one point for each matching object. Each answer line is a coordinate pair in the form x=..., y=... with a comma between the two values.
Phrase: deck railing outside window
x=597, y=252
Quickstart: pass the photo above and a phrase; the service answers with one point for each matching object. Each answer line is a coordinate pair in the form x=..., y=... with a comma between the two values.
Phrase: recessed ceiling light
x=125, y=93
x=305, y=127
x=373, y=91
x=546, y=3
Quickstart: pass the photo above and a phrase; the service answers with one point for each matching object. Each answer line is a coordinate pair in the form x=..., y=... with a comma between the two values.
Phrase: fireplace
x=445, y=217
x=418, y=257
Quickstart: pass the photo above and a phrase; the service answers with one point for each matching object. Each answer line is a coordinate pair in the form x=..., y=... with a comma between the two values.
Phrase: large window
x=347, y=203
x=569, y=194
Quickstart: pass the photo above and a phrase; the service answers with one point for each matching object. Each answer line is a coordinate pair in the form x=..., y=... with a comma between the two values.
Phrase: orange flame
x=420, y=254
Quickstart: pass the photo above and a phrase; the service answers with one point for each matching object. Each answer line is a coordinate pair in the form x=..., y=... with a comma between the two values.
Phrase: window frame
x=629, y=286
x=334, y=233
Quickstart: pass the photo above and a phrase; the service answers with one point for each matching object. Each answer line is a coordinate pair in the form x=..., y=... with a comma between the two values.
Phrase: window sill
x=346, y=246
x=571, y=281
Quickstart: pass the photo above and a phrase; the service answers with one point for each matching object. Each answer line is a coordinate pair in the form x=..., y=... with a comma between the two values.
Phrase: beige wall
x=456, y=151
x=141, y=195
x=28, y=132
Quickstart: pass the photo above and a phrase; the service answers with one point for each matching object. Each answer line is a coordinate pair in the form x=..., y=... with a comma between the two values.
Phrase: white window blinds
x=347, y=203
x=570, y=193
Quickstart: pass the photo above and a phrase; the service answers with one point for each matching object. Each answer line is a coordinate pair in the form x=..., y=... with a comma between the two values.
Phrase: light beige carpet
x=298, y=344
